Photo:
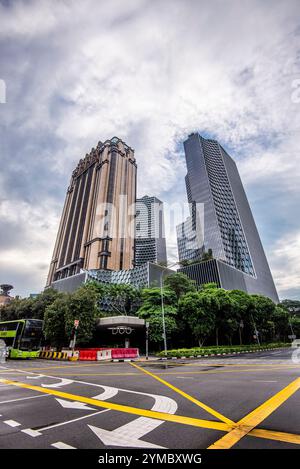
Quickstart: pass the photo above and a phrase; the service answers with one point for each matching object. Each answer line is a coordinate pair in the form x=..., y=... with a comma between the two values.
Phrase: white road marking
x=73, y=420
x=136, y=429
x=73, y=404
x=61, y=445
x=12, y=423
x=115, y=438
x=185, y=377
x=35, y=377
x=31, y=432
x=63, y=382
x=129, y=435
x=24, y=398
x=107, y=394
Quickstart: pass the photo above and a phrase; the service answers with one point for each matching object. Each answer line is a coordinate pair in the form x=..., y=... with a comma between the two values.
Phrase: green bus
x=22, y=337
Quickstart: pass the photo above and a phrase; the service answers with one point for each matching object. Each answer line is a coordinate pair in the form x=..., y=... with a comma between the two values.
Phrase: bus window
x=32, y=335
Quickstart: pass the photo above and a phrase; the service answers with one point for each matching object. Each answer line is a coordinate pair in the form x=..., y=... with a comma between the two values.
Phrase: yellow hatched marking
x=124, y=408
x=250, y=421
x=187, y=396
x=273, y=435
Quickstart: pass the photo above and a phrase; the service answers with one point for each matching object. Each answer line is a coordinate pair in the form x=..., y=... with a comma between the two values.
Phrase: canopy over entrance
x=120, y=321
x=121, y=331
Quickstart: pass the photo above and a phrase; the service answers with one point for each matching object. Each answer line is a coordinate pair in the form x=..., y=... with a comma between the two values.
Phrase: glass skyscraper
x=228, y=229
x=150, y=241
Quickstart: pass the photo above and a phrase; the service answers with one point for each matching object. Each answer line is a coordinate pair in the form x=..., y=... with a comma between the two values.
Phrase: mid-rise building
x=228, y=226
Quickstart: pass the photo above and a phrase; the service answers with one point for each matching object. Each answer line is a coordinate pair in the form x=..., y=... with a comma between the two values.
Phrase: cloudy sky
x=150, y=72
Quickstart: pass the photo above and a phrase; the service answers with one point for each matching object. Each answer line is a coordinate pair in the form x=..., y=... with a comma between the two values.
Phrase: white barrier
x=103, y=355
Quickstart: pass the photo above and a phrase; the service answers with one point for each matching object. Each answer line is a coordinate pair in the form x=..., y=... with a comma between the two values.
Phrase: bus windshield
x=32, y=335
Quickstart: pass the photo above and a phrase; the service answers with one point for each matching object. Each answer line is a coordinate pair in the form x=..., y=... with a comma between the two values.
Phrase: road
x=241, y=401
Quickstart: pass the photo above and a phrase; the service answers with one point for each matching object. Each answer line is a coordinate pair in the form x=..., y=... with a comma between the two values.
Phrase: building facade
x=97, y=225
x=142, y=276
x=189, y=238
x=228, y=226
x=150, y=241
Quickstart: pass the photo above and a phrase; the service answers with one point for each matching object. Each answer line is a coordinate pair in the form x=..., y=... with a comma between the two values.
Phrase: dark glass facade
x=229, y=228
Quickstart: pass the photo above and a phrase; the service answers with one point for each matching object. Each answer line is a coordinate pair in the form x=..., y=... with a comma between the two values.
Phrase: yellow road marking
x=212, y=364
x=239, y=364
x=179, y=372
x=124, y=408
x=211, y=372
x=50, y=367
x=273, y=435
x=187, y=396
x=250, y=421
x=53, y=367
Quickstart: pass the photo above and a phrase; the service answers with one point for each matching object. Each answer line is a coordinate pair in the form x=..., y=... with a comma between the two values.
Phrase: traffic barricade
x=124, y=353
x=104, y=354
x=88, y=354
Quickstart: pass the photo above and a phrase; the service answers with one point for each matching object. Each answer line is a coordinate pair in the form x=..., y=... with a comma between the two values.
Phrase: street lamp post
x=163, y=313
x=291, y=310
x=255, y=331
x=162, y=306
x=147, y=339
x=241, y=325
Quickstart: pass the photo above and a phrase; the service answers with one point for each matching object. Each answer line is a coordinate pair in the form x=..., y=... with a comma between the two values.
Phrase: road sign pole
x=147, y=340
x=74, y=341
x=76, y=324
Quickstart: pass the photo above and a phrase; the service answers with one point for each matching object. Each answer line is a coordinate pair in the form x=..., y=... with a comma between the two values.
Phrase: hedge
x=214, y=350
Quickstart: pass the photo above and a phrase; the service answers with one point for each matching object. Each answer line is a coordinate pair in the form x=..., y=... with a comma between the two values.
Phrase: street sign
x=76, y=323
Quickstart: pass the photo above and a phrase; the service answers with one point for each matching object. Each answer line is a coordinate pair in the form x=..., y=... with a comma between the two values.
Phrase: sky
x=150, y=72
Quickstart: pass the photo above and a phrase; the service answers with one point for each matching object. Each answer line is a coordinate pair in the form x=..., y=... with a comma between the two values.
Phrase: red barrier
x=121, y=353
x=117, y=353
x=88, y=354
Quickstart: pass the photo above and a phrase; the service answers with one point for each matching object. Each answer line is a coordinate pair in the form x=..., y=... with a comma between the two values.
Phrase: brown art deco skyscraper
x=96, y=229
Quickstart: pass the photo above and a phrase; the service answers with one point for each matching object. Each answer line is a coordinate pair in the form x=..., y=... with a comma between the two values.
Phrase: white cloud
x=285, y=264
x=151, y=72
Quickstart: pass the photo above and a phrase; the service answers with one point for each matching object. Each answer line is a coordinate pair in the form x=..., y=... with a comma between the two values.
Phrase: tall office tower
x=96, y=230
x=150, y=242
x=229, y=228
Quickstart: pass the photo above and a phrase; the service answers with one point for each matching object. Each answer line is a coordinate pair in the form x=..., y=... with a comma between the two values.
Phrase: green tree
x=125, y=297
x=54, y=321
x=282, y=324
x=242, y=307
x=151, y=311
x=197, y=310
x=82, y=305
x=261, y=316
x=18, y=308
x=206, y=256
x=293, y=306
x=295, y=324
x=226, y=322
x=180, y=284
x=41, y=301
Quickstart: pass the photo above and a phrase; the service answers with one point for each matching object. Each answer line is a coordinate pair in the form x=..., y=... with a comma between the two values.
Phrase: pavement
x=245, y=401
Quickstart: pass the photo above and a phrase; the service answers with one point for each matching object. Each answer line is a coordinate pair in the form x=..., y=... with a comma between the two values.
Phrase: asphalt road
x=243, y=401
